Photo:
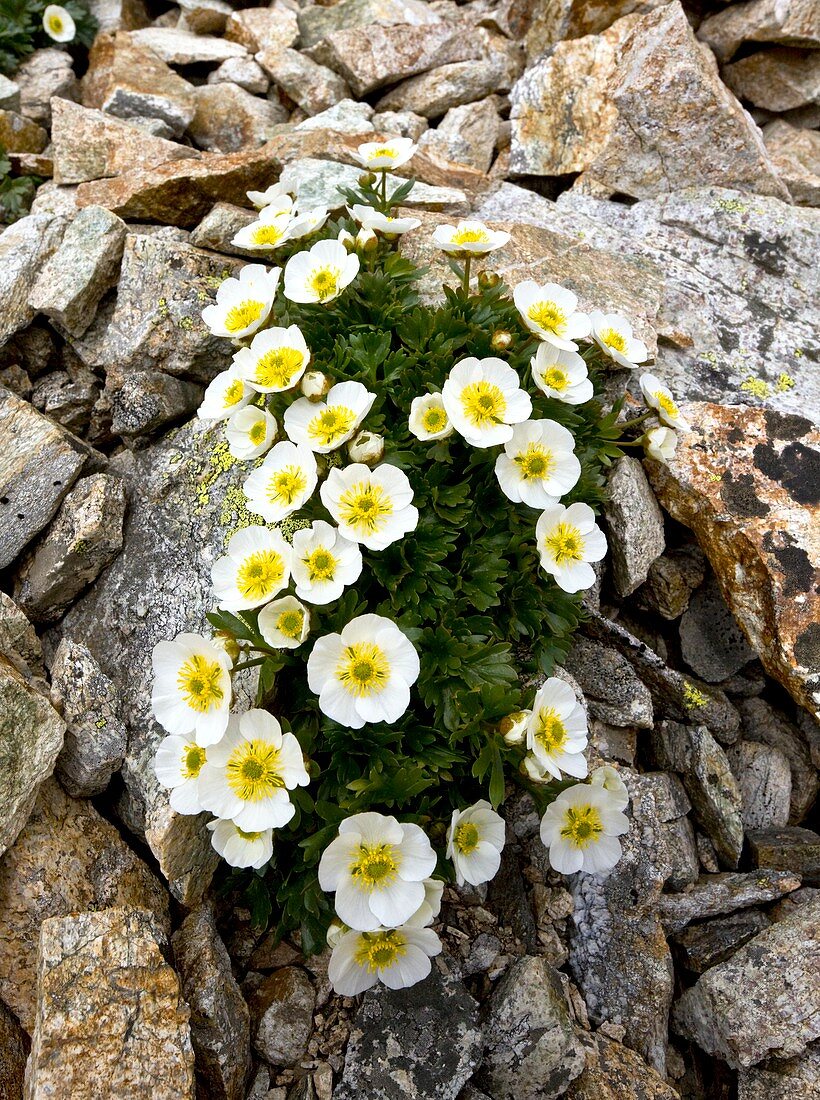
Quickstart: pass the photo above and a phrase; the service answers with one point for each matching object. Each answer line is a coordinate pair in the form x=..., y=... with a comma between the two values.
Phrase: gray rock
x=635, y=524
x=671, y=580
x=810, y=729
x=25, y=247
x=220, y=1021
x=69, y=396
x=433, y=93
x=262, y=28
x=761, y=21
x=402, y=123
x=763, y=723
x=314, y=87
x=765, y=1000
x=713, y=895
x=467, y=135
x=782, y=1079
x=712, y=643
x=53, y=199
x=204, y=16
x=282, y=1007
x=532, y=1049
x=795, y=153
x=228, y=118
x=219, y=227
x=765, y=782
x=704, y=945
x=9, y=94
x=182, y=47
x=18, y=640
x=44, y=75
x=144, y=402
x=614, y=1072
x=317, y=182
x=243, y=71
x=345, y=117
x=316, y=22
x=793, y=848
x=778, y=79
x=13, y=1053
x=95, y=737
x=614, y=693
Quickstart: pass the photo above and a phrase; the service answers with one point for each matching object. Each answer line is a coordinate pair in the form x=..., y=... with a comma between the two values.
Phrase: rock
x=67, y=859
x=550, y=22
x=263, y=28
x=793, y=848
x=282, y=1008
x=131, y=81
x=9, y=94
x=712, y=643
x=795, y=153
x=106, y=997
x=614, y=693
x=345, y=117
x=13, y=1053
x=789, y=1079
x=85, y=536
x=763, y=1001
x=69, y=397
x=19, y=134
x=467, y=135
x=635, y=525
x=220, y=1022
x=724, y=892
x=746, y=482
x=777, y=80
x=183, y=47
x=433, y=93
x=119, y=15
x=228, y=118
x=244, y=71
x=421, y=1043
x=619, y=1074
x=219, y=227
x=95, y=737
x=695, y=754
x=762, y=723
x=403, y=123
x=90, y=144
x=83, y=268
x=25, y=247
x=318, y=182
x=532, y=1049
x=702, y=946
x=671, y=580
x=19, y=643
x=765, y=783
x=651, y=116
x=52, y=199
x=317, y=22
x=43, y=76
x=143, y=403
x=793, y=24
x=314, y=87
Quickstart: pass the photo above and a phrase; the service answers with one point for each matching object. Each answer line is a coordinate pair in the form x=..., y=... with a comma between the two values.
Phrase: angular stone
x=263, y=28
x=143, y=402
x=789, y=1079
x=18, y=640
x=182, y=47
x=67, y=859
x=553, y=21
x=82, y=269
x=613, y=692
x=619, y=1074
x=244, y=71
x=220, y=1022
x=282, y=1008
x=204, y=16
x=9, y=94
x=433, y=93
x=724, y=892
x=712, y=644
x=219, y=227
x=777, y=80
x=795, y=153
x=19, y=134
x=747, y=481
x=793, y=848
x=635, y=525
x=345, y=117
x=228, y=118
x=45, y=75
x=765, y=782
x=106, y=997
x=763, y=1001
x=90, y=144
x=704, y=945
x=119, y=15
x=421, y=1043
x=402, y=123
x=318, y=182
x=793, y=24
x=68, y=396
x=25, y=247
x=317, y=22
x=13, y=1053
x=312, y=86
x=671, y=580
x=466, y=135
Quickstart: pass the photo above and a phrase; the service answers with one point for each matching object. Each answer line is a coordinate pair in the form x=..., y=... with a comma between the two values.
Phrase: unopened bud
x=366, y=447
x=223, y=639
x=501, y=340
x=533, y=770
x=315, y=384
x=366, y=240
x=367, y=179
x=347, y=239
x=488, y=279
x=514, y=726
x=335, y=932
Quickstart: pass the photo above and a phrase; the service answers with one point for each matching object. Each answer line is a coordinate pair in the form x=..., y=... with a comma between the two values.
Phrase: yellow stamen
x=565, y=543
x=582, y=826
x=234, y=392
x=286, y=485
x=257, y=432
x=291, y=623
x=550, y=731
x=244, y=315
x=363, y=670
x=269, y=235
x=379, y=950
x=556, y=378
x=321, y=564
x=374, y=865
x=535, y=463
x=434, y=419
x=614, y=339
x=260, y=574
x=193, y=758
x=364, y=505
x=548, y=316
x=277, y=367
x=666, y=403
x=252, y=771
x=470, y=236
x=331, y=425
x=324, y=282
x=199, y=683
x=466, y=837
x=483, y=404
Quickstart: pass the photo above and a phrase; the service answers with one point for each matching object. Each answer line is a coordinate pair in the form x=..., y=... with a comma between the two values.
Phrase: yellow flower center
x=321, y=564
x=466, y=837
x=666, y=403
x=582, y=826
x=550, y=731
x=244, y=315
x=565, y=543
x=257, y=432
x=324, y=282
x=277, y=367
x=234, y=392
x=363, y=669
x=260, y=574
x=534, y=463
x=56, y=24
x=269, y=235
x=374, y=865
x=614, y=339
x=434, y=419
x=483, y=404
x=286, y=485
x=364, y=506
x=379, y=950
x=291, y=623
x=199, y=682
x=193, y=757
x=470, y=236
x=331, y=425
x=556, y=378
x=548, y=316
x=252, y=771
x=383, y=154
x=247, y=836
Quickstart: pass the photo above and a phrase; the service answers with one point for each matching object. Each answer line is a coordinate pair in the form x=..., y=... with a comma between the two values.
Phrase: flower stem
x=384, y=192
x=638, y=420
x=465, y=283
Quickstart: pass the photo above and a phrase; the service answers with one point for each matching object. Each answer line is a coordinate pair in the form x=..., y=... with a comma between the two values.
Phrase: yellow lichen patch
x=692, y=698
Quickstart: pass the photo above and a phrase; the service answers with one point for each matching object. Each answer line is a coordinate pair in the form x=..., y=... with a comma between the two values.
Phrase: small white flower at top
x=255, y=568
x=608, y=777
x=308, y=221
x=365, y=673
x=568, y=540
x=366, y=447
x=192, y=687
x=270, y=230
x=284, y=623
x=429, y=419
x=561, y=375
x=469, y=238
x=551, y=312
x=177, y=765
x=538, y=464
x=283, y=483
x=248, y=774
x=275, y=196
x=557, y=730
x=513, y=728
x=275, y=360
x=225, y=395
x=483, y=399
x=325, y=425
x=243, y=305
x=377, y=867
x=475, y=840
x=323, y=563
x=397, y=957
x=372, y=507
x=374, y=220
x=321, y=273
x=581, y=829
x=381, y=156
x=239, y=847
x=250, y=432
x=661, y=444
x=659, y=397
x=613, y=335
x=58, y=24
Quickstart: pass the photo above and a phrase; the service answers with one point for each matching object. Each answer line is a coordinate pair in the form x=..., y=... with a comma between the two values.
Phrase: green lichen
x=732, y=206
x=692, y=698
x=234, y=514
x=219, y=462
x=186, y=323
x=756, y=386
x=785, y=382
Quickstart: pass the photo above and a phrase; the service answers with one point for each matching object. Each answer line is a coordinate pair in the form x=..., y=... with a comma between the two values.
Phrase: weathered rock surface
x=765, y=782
x=613, y=692
x=19, y=134
x=467, y=134
x=781, y=1079
x=433, y=93
x=619, y=1074
x=671, y=580
x=794, y=24
x=9, y=94
x=317, y=183
x=702, y=946
x=228, y=118
x=313, y=87
x=13, y=1054
x=43, y=76
x=182, y=47
x=262, y=28
x=635, y=524
x=110, y=1017
x=317, y=22
x=25, y=247
x=19, y=643
x=712, y=644
x=795, y=153
x=790, y=847
x=244, y=71
x=218, y=228
x=777, y=80
x=761, y=722
x=282, y=1008
x=203, y=16
x=725, y=892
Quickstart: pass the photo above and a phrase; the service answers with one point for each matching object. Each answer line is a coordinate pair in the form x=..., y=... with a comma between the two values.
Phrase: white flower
x=192, y=687
x=431, y=906
x=373, y=507
x=270, y=230
x=241, y=848
x=382, y=155
x=398, y=957
x=613, y=335
x=275, y=360
x=346, y=238
x=323, y=563
x=244, y=304
x=514, y=727
x=550, y=312
x=474, y=842
x=581, y=829
x=659, y=397
x=308, y=221
x=58, y=24
x=568, y=540
x=538, y=464
x=250, y=432
x=366, y=240
x=372, y=219
x=324, y=426
x=428, y=418
x=469, y=237
x=561, y=375
x=315, y=384
x=177, y=765
x=609, y=778
x=367, y=447
x=483, y=398
x=285, y=623
x=248, y=774
x=557, y=730
x=320, y=274
x=537, y=772
x=283, y=483
x=660, y=443
x=275, y=196
x=225, y=395
x=363, y=674
x=377, y=868
x=255, y=568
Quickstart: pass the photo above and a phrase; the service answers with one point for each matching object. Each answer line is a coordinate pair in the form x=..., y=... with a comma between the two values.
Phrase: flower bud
x=533, y=770
x=366, y=447
x=487, y=280
x=366, y=240
x=367, y=179
x=315, y=384
x=335, y=932
x=514, y=726
x=223, y=639
x=501, y=340
x=347, y=239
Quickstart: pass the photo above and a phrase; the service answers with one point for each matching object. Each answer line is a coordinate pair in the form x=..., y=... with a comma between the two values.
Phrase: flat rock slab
x=25, y=247
x=725, y=892
x=619, y=1074
x=181, y=47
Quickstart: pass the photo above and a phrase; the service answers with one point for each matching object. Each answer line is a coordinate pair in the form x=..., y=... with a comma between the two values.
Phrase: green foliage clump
x=21, y=29
x=16, y=192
